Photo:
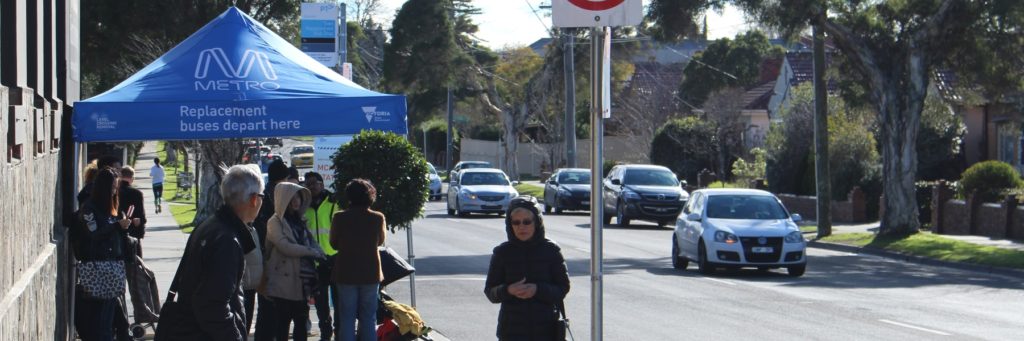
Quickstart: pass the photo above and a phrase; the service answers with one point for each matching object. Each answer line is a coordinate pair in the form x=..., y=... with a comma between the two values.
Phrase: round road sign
x=596, y=5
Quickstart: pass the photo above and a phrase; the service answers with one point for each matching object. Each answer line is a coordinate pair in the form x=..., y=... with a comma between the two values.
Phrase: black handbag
x=562, y=325
x=393, y=266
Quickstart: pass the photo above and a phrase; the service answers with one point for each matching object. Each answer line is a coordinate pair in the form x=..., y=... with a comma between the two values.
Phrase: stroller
x=144, y=292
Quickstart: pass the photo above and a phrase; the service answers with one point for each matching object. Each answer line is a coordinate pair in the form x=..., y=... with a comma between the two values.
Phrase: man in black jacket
x=132, y=197
x=206, y=300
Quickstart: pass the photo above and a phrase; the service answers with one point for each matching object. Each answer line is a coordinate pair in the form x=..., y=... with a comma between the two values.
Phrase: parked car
x=275, y=141
x=567, y=189
x=435, y=182
x=645, y=192
x=480, y=190
x=466, y=165
x=738, y=228
x=302, y=155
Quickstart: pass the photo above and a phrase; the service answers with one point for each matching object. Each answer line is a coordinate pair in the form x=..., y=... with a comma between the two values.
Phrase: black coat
x=209, y=303
x=97, y=236
x=133, y=196
x=540, y=261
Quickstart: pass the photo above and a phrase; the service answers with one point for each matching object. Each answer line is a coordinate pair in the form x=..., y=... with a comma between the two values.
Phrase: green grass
x=926, y=244
x=530, y=189
x=808, y=228
x=183, y=210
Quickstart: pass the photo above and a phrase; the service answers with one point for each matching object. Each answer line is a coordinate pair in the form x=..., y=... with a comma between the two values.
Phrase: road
x=842, y=297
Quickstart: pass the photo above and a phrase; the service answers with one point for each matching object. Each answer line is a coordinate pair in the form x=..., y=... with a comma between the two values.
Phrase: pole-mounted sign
x=596, y=13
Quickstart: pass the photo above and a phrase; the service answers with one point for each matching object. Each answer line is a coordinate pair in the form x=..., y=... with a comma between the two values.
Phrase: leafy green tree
x=893, y=47
x=938, y=142
x=686, y=146
x=749, y=170
x=726, y=63
x=788, y=144
x=436, y=130
x=394, y=166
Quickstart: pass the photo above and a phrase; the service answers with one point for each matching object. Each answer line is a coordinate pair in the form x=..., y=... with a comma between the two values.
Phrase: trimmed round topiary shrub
x=990, y=179
x=394, y=166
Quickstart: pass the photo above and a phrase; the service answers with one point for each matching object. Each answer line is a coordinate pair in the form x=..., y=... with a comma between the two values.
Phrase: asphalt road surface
x=841, y=297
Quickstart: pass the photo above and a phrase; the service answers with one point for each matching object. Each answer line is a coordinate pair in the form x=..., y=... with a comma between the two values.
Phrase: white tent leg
x=412, y=261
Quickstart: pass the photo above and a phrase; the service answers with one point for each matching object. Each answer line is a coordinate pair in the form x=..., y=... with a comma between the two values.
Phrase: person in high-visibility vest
x=318, y=218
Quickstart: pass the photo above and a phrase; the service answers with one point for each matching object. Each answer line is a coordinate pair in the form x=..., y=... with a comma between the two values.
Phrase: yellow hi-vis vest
x=319, y=221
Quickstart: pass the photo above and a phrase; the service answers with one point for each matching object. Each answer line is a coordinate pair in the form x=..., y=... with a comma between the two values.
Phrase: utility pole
x=570, y=95
x=821, y=173
x=448, y=154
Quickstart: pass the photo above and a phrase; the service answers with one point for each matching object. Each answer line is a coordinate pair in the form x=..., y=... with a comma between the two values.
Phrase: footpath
x=164, y=243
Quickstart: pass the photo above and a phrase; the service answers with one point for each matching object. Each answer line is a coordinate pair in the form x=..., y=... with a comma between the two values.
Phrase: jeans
x=324, y=298
x=357, y=301
x=264, y=319
x=288, y=312
x=94, y=319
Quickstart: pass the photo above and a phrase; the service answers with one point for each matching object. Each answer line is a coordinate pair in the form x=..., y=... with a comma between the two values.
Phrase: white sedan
x=737, y=228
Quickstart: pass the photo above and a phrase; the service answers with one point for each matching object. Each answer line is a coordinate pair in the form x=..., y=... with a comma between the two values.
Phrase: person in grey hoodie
x=290, y=271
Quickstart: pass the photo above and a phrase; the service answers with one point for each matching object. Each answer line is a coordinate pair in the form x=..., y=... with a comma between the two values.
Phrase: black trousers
x=250, y=303
x=265, y=312
x=323, y=310
x=287, y=313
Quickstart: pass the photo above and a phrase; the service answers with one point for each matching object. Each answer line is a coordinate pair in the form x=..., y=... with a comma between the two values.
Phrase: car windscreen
x=476, y=165
x=574, y=178
x=431, y=169
x=744, y=207
x=649, y=177
x=302, y=150
x=484, y=179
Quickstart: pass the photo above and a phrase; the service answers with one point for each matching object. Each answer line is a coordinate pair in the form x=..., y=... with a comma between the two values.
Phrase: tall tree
x=726, y=63
x=894, y=46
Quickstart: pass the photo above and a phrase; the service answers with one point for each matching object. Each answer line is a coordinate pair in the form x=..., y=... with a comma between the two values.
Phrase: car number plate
x=584, y=202
x=761, y=249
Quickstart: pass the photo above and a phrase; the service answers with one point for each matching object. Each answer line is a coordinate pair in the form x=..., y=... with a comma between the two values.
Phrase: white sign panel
x=596, y=13
x=323, y=148
x=606, y=74
x=319, y=32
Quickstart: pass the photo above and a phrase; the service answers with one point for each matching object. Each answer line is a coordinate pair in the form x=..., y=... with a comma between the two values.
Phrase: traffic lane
x=904, y=293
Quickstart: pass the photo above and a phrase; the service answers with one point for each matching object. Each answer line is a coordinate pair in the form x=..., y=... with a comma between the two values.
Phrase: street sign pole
x=596, y=185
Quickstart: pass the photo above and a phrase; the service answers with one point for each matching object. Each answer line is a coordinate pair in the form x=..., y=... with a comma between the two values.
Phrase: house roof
x=758, y=96
x=802, y=64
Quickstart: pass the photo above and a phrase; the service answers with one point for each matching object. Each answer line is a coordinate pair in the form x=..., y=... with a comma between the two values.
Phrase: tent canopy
x=234, y=78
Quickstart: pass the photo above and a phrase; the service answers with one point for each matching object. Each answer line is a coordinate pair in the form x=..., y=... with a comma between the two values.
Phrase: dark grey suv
x=644, y=192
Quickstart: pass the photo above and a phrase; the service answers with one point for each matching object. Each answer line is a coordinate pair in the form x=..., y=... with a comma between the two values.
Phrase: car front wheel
x=703, y=265
x=678, y=261
x=620, y=215
x=797, y=270
x=547, y=208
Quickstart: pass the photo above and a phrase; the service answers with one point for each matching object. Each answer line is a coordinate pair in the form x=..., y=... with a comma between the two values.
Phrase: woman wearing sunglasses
x=527, y=276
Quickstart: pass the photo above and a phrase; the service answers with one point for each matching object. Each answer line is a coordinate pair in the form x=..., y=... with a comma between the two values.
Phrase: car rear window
x=302, y=150
x=476, y=165
x=649, y=177
x=745, y=207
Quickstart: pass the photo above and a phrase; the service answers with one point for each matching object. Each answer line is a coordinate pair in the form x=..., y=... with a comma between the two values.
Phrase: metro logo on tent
x=249, y=59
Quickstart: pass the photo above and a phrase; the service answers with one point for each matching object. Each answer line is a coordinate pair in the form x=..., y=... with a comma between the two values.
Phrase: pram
x=144, y=292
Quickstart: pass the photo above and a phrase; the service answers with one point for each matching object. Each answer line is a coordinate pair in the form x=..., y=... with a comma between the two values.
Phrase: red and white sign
x=596, y=13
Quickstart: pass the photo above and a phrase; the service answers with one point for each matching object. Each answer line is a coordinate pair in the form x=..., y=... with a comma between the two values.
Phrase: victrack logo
x=234, y=78
x=372, y=115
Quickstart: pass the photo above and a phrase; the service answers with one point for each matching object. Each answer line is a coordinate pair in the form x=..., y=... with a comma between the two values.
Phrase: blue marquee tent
x=234, y=78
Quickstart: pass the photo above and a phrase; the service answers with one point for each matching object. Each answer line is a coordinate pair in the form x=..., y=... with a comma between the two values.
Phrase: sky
x=513, y=23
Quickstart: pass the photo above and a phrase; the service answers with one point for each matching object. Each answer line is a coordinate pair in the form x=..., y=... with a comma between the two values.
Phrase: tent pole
x=412, y=261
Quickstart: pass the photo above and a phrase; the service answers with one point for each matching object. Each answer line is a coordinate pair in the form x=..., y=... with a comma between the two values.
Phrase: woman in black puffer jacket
x=527, y=276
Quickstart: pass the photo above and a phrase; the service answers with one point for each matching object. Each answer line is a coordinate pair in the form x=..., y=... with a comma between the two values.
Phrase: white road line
x=718, y=280
x=904, y=325
x=455, y=220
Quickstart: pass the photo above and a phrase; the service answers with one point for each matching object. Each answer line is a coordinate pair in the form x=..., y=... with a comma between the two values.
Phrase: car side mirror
x=693, y=216
x=616, y=182
x=796, y=217
x=553, y=182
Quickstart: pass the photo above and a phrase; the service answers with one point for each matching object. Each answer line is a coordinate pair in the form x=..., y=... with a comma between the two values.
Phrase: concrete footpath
x=164, y=242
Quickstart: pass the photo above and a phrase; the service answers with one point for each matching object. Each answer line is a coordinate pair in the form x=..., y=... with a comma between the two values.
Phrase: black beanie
x=277, y=171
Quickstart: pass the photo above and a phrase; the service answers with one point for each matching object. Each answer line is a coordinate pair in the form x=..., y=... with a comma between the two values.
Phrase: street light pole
x=448, y=154
x=570, y=96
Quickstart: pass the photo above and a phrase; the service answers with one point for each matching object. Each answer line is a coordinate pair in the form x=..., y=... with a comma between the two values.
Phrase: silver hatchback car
x=480, y=190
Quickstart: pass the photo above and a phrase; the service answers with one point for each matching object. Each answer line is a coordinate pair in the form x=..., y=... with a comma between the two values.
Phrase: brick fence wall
x=853, y=210
x=971, y=217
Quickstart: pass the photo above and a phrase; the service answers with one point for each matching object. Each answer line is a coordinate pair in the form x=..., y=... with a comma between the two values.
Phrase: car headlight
x=630, y=195
x=468, y=195
x=795, y=237
x=683, y=198
x=725, y=237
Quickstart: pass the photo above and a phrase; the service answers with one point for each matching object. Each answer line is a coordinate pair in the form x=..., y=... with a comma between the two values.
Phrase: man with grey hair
x=205, y=298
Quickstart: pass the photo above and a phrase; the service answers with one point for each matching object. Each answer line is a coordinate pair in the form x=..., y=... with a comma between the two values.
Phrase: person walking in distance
x=157, y=173
x=527, y=276
x=205, y=298
x=290, y=272
x=356, y=233
x=318, y=216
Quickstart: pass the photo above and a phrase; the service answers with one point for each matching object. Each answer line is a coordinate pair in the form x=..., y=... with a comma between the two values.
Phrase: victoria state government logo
x=372, y=115
x=232, y=76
